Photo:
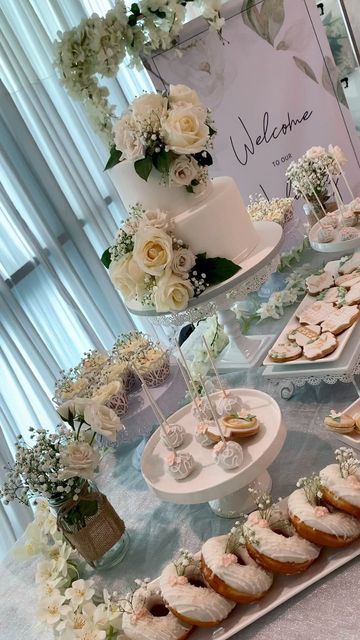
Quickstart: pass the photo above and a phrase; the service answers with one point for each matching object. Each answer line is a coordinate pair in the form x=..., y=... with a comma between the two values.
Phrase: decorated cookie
x=348, y=280
x=326, y=233
x=341, y=319
x=284, y=352
x=304, y=334
x=351, y=264
x=353, y=295
x=340, y=422
x=316, y=284
x=332, y=267
x=240, y=425
x=348, y=233
x=315, y=313
x=321, y=347
x=334, y=294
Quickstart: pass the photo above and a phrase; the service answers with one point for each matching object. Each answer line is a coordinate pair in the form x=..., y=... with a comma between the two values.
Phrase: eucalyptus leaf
x=106, y=258
x=143, y=167
x=272, y=13
x=114, y=158
x=305, y=68
x=282, y=46
x=253, y=19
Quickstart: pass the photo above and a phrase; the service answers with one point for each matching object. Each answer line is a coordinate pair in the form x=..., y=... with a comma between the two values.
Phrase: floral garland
x=98, y=45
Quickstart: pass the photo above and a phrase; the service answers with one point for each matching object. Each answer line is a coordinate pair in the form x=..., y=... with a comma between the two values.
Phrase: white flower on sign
x=103, y=421
x=80, y=592
x=152, y=250
x=79, y=459
x=172, y=292
x=185, y=131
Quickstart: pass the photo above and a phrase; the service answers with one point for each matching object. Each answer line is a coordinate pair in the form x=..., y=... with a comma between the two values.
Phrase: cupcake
x=153, y=363
x=119, y=370
x=91, y=364
x=112, y=395
x=69, y=386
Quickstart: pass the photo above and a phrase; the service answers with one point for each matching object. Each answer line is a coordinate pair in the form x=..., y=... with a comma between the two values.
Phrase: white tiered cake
x=212, y=220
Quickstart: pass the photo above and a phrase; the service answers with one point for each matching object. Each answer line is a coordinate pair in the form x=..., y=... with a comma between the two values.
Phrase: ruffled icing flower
x=320, y=512
x=353, y=481
x=202, y=427
x=255, y=519
x=219, y=447
x=177, y=580
x=171, y=459
x=228, y=559
x=139, y=615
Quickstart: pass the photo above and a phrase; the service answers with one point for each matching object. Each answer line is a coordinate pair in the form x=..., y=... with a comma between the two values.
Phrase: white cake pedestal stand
x=226, y=491
x=256, y=268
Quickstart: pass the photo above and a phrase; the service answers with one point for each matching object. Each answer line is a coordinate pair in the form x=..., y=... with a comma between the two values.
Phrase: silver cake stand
x=256, y=268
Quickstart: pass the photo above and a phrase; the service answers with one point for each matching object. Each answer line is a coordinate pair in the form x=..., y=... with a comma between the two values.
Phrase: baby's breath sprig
x=124, y=604
x=312, y=488
x=185, y=560
x=263, y=501
x=239, y=535
x=348, y=464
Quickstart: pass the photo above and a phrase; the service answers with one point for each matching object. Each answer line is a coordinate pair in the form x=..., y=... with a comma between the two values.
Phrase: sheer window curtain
x=58, y=211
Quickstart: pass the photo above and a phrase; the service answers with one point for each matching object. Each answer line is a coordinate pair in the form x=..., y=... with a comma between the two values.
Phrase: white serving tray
x=352, y=439
x=284, y=588
x=336, y=244
x=209, y=481
x=342, y=339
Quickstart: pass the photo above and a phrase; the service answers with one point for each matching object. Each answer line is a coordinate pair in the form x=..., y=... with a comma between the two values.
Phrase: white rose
x=315, y=152
x=181, y=94
x=154, y=218
x=126, y=275
x=79, y=459
x=103, y=421
x=172, y=293
x=75, y=406
x=107, y=391
x=184, y=130
x=152, y=250
x=147, y=106
x=183, y=260
x=128, y=139
x=338, y=154
x=182, y=171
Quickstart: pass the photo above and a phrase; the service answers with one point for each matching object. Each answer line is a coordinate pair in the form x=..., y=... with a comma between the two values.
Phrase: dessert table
x=158, y=530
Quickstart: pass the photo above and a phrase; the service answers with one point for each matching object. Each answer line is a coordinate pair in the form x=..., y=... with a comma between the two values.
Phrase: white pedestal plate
x=256, y=268
x=226, y=491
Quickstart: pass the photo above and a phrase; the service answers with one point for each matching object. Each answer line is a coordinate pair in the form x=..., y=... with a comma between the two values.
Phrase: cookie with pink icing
x=353, y=295
x=315, y=313
x=351, y=264
x=348, y=280
x=317, y=283
x=284, y=352
x=340, y=319
x=303, y=334
x=321, y=347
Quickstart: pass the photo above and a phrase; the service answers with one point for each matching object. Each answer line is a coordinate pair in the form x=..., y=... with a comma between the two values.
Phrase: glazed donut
x=150, y=618
x=190, y=600
x=342, y=493
x=236, y=577
x=276, y=546
x=319, y=525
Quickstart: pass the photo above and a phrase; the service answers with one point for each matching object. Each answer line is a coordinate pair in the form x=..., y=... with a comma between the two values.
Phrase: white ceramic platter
x=284, y=588
x=208, y=481
x=270, y=235
x=353, y=438
x=342, y=339
x=336, y=244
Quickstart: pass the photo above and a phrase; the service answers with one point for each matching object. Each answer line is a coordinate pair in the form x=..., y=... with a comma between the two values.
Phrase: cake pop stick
x=192, y=394
x=213, y=412
x=185, y=365
x=337, y=195
x=214, y=368
x=157, y=411
x=342, y=173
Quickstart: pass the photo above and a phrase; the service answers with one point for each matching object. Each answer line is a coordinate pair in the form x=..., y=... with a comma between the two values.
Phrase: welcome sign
x=273, y=88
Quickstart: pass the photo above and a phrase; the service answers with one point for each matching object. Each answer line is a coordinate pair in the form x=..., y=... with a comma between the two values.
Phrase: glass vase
x=92, y=526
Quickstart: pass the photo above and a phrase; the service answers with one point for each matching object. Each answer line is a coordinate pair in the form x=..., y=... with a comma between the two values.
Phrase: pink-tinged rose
x=139, y=615
x=228, y=559
x=353, y=482
x=320, y=512
x=219, y=447
x=263, y=523
x=177, y=580
x=202, y=427
x=171, y=458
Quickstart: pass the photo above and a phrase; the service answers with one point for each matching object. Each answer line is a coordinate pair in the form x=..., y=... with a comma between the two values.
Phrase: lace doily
x=221, y=301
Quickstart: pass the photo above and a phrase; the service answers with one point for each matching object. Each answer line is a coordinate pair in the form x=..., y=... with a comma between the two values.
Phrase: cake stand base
x=242, y=351
x=235, y=504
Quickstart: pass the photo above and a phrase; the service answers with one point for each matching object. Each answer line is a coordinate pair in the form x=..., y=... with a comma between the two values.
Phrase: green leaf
x=132, y=20
x=143, y=167
x=303, y=66
x=106, y=258
x=272, y=14
x=158, y=13
x=216, y=269
x=135, y=9
x=162, y=161
x=212, y=131
x=114, y=158
x=189, y=188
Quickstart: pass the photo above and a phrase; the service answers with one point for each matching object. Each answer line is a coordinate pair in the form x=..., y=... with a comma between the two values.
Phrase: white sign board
x=272, y=85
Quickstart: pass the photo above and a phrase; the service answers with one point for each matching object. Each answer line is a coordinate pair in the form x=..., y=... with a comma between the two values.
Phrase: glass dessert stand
x=226, y=491
x=256, y=268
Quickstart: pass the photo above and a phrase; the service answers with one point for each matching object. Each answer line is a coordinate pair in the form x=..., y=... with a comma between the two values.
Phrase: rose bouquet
x=171, y=133
x=309, y=176
x=149, y=264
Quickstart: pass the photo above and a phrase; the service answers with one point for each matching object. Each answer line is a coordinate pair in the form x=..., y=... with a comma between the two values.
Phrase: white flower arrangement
x=310, y=173
x=170, y=132
x=278, y=210
x=147, y=263
x=348, y=464
x=98, y=45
